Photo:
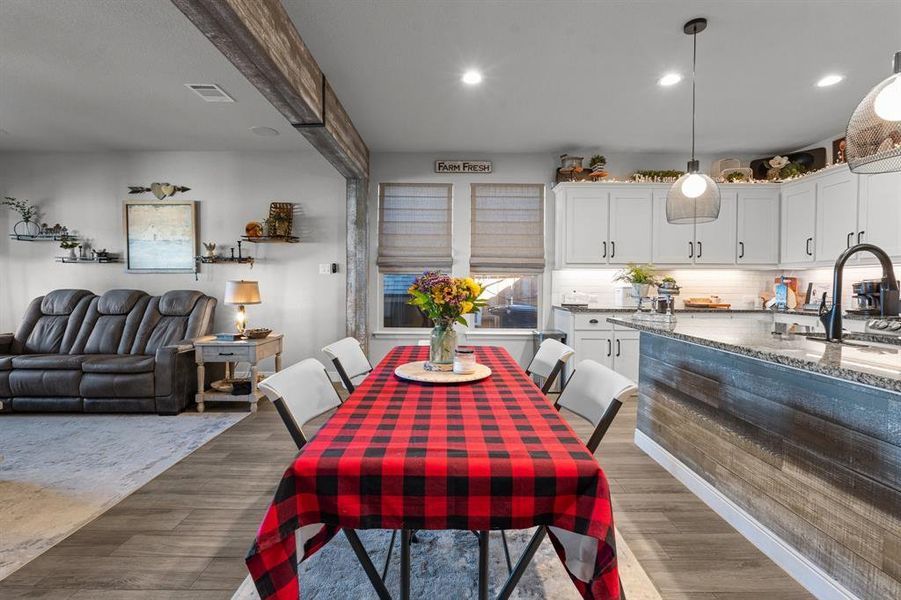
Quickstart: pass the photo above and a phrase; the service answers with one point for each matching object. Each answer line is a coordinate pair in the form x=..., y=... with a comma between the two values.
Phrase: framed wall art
x=160, y=237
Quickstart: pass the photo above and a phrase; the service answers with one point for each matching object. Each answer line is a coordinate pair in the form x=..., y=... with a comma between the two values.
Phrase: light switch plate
x=325, y=269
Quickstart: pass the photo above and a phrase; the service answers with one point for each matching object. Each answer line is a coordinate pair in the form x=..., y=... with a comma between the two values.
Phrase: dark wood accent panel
x=814, y=459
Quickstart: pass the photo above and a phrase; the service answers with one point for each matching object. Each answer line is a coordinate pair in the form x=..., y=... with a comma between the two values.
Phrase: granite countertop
x=621, y=309
x=860, y=360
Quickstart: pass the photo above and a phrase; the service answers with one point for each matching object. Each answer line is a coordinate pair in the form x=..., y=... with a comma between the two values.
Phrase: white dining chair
x=549, y=361
x=350, y=361
x=424, y=343
x=301, y=393
x=596, y=393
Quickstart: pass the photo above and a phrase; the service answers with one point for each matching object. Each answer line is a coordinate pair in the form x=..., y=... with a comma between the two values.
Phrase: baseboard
x=809, y=575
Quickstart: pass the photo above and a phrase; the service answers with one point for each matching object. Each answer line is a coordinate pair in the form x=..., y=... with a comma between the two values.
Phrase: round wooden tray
x=414, y=371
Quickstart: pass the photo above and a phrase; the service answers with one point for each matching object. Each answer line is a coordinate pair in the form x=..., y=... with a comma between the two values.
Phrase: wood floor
x=183, y=536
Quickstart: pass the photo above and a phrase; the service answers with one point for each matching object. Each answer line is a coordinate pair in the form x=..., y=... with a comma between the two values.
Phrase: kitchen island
x=794, y=441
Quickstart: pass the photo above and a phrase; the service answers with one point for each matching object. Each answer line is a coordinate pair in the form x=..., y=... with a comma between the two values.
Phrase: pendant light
x=873, y=137
x=694, y=197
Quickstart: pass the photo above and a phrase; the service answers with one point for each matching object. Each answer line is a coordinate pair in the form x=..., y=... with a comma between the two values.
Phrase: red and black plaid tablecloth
x=494, y=454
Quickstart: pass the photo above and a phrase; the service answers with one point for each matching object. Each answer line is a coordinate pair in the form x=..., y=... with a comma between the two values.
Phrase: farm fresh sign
x=463, y=166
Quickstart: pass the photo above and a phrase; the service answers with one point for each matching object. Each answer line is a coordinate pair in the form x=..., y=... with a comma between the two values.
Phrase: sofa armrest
x=6, y=343
x=175, y=380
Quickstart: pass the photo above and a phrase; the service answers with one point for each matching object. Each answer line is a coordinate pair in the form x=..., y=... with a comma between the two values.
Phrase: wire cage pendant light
x=873, y=137
x=694, y=197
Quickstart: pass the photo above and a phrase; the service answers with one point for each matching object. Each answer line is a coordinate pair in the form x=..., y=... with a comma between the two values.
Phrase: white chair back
x=424, y=343
x=349, y=359
x=549, y=360
x=596, y=392
x=301, y=392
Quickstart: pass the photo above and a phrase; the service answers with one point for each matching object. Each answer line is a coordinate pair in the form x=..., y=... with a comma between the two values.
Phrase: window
x=508, y=253
x=414, y=236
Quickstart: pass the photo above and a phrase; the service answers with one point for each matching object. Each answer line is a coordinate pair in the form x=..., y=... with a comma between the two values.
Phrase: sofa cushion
x=119, y=302
x=5, y=392
x=44, y=383
x=48, y=362
x=117, y=363
x=119, y=405
x=62, y=302
x=117, y=385
x=47, y=404
x=6, y=363
x=178, y=303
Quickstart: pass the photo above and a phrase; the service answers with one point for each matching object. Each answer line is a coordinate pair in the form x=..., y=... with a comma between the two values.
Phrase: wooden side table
x=211, y=350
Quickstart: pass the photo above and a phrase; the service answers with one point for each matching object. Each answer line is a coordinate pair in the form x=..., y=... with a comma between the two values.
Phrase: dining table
x=488, y=455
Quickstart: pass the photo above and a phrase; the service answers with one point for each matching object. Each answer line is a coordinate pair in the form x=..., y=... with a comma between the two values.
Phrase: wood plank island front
x=796, y=442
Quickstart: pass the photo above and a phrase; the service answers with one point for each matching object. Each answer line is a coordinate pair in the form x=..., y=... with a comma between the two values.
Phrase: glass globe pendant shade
x=873, y=137
x=693, y=198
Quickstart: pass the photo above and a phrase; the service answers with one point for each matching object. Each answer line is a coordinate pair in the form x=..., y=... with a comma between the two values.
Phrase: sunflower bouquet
x=445, y=299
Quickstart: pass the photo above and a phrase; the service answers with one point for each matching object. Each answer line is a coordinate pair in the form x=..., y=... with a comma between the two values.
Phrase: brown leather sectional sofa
x=124, y=351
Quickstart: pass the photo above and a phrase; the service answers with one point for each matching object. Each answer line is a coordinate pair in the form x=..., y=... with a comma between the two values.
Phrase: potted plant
x=70, y=245
x=642, y=277
x=28, y=213
x=444, y=300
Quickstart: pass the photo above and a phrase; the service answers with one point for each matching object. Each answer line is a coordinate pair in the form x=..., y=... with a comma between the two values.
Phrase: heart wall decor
x=160, y=190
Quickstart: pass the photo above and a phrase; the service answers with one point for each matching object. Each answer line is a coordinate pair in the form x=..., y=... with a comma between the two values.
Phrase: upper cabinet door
x=836, y=214
x=758, y=227
x=715, y=241
x=672, y=244
x=880, y=212
x=585, y=236
x=799, y=209
x=631, y=215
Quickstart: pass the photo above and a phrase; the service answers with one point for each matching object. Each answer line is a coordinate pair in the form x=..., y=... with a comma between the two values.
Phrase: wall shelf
x=264, y=239
x=43, y=237
x=213, y=260
x=97, y=260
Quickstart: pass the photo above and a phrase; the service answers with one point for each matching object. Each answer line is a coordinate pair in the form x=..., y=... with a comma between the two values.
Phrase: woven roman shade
x=507, y=228
x=414, y=226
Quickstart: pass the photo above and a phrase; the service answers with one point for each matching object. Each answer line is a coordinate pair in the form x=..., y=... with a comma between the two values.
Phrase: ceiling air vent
x=210, y=92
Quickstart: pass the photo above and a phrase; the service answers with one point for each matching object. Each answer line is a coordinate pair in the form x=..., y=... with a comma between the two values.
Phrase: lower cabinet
x=616, y=349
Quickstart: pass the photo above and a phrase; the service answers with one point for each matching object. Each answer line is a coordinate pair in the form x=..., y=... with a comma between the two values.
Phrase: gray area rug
x=57, y=472
x=445, y=565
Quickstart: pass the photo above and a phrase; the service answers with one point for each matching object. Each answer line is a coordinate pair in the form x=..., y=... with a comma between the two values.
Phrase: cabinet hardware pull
x=807, y=246
x=741, y=254
x=848, y=241
x=700, y=249
x=612, y=249
x=691, y=249
x=617, y=347
x=609, y=347
x=593, y=321
x=859, y=235
x=605, y=250
x=226, y=354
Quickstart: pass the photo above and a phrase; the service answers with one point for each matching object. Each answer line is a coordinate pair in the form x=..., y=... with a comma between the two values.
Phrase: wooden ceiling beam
x=259, y=38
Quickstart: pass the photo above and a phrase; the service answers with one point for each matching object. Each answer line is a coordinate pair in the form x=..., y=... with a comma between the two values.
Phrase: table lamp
x=240, y=293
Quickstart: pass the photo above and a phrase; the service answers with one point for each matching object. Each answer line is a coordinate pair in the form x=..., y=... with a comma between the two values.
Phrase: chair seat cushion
x=117, y=363
x=48, y=362
x=6, y=363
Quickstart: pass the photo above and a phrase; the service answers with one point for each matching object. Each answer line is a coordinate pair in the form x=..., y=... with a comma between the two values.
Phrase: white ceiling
x=110, y=75
x=563, y=74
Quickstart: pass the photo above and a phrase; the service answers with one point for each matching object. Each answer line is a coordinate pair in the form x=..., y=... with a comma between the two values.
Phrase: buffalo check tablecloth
x=494, y=454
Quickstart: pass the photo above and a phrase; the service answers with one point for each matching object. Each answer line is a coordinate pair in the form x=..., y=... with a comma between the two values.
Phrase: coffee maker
x=867, y=298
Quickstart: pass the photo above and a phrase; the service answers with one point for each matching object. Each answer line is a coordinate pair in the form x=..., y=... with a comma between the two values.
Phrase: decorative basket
x=257, y=334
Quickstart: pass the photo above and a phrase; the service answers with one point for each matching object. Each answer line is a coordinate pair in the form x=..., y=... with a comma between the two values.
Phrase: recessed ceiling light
x=669, y=79
x=264, y=131
x=472, y=77
x=829, y=80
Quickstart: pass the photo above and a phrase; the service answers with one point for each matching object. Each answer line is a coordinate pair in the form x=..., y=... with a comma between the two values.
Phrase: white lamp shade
x=693, y=198
x=873, y=137
x=242, y=292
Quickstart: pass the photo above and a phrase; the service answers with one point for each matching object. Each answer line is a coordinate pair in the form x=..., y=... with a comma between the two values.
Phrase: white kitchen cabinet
x=594, y=345
x=758, y=227
x=625, y=353
x=673, y=244
x=879, y=217
x=836, y=212
x=715, y=241
x=799, y=208
x=631, y=213
x=586, y=211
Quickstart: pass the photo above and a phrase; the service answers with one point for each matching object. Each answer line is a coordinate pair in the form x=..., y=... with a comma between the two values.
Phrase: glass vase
x=442, y=345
